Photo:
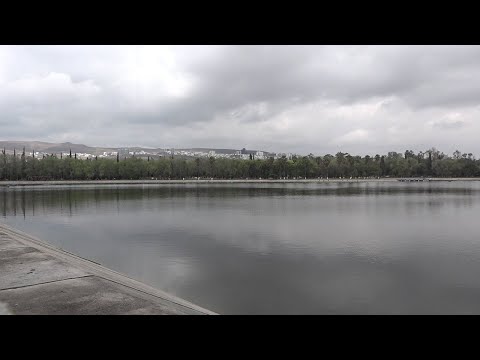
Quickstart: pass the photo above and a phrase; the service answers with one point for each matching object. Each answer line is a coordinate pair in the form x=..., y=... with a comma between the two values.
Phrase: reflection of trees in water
x=71, y=200
x=424, y=205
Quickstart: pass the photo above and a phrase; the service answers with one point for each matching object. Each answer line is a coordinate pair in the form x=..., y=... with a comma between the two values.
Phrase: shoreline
x=39, y=278
x=9, y=183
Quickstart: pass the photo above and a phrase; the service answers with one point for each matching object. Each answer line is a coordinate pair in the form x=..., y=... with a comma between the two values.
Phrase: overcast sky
x=303, y=99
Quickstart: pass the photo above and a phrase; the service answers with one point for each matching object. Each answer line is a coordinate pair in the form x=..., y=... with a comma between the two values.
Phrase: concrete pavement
x=37, y=278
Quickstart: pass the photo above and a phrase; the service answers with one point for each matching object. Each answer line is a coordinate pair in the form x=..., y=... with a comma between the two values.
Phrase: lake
x=316, y=248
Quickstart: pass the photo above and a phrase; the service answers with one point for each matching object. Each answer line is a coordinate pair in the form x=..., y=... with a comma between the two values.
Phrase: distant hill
x=79, y=148
x=56, y=148
x=47, y=147
x=29, y=145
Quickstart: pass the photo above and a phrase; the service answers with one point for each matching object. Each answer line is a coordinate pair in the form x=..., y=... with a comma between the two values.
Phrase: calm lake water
x=330, y=248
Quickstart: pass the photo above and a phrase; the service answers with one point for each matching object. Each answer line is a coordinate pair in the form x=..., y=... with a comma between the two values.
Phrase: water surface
x=327, y=248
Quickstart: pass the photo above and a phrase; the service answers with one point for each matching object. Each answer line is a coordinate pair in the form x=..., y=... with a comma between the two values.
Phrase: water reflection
x=274, y=248
x=70, y=199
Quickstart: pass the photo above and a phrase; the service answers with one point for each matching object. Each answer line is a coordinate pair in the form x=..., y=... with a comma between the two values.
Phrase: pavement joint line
x=47, y=282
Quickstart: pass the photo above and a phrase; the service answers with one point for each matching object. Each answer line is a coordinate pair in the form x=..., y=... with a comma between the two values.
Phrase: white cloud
x=358, y=136
x=450, y=121
x=149, y=74
x=358, y=99
x=48, y=89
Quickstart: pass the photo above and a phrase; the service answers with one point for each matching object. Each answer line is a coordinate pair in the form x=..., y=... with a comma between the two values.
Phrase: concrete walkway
x=37, y=278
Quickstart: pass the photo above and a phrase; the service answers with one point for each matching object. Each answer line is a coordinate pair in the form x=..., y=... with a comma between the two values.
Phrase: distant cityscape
x=126, y=152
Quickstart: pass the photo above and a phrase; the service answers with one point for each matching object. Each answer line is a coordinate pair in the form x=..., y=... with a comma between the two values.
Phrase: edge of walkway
x=98, y=270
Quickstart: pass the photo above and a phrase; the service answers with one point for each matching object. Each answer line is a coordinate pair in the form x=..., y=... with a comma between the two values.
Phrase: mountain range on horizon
x=65, y=147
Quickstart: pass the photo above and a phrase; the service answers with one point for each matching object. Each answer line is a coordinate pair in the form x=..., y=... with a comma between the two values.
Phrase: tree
x=14, y=166
x=429, y=163
x=211, y=163
x=197, y=166
x=409, y=154
x=49, y=167
x=23, y=164
x=4, y=164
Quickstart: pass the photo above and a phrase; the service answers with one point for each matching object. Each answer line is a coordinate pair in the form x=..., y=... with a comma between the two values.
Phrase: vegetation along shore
x=431, y=163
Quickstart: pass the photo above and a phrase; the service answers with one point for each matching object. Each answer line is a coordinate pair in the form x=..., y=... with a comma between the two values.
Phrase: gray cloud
x=281, y=98
x=449, y=123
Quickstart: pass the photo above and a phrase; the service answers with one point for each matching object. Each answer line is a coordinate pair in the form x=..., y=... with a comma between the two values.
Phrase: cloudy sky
x=303, y=99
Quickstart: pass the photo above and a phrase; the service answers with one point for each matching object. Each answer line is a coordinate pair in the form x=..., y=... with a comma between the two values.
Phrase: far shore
x=216, y=181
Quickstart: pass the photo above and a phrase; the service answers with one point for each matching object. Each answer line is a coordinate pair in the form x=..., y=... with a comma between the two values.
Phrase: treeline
x=431, y=163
